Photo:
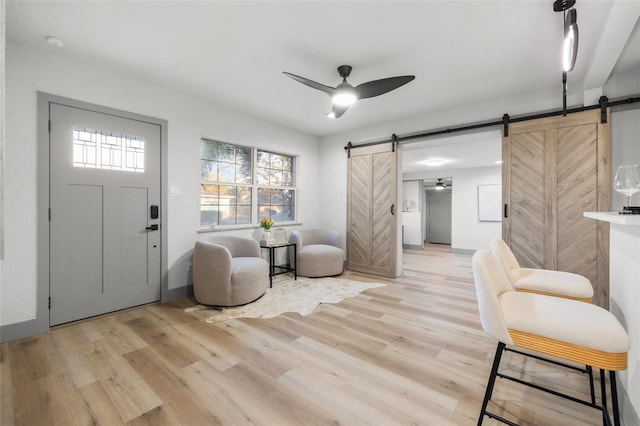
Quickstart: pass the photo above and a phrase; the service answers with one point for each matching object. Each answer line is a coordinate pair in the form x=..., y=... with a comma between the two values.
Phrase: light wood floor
x=437, y=247
x=411, y=352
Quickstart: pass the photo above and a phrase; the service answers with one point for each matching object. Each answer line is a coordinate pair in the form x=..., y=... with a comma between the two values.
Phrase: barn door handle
x=506, y=209
x=153, y=227
x=393, y=209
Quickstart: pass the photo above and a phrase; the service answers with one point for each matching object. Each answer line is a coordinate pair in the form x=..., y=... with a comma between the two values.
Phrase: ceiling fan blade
x=337, y=111
x=379, y=87
x=326, y=89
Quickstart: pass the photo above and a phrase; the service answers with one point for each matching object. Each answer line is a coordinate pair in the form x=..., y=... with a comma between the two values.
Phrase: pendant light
x=570, y=45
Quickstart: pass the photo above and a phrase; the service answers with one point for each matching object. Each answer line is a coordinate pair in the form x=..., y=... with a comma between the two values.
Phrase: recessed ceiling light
x=499, y=162
x=55, y=41
x=434, y=162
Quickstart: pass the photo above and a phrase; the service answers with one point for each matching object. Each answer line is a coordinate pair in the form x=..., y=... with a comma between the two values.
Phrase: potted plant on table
x=266, y=224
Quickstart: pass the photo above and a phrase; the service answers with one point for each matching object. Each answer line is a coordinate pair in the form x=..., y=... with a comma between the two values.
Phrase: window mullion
x=254, y=186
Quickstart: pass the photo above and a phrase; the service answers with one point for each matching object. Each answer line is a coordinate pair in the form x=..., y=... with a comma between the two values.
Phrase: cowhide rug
x=301, y=296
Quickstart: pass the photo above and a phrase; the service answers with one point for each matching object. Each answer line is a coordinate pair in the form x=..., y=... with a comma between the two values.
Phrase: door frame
x=41, y=322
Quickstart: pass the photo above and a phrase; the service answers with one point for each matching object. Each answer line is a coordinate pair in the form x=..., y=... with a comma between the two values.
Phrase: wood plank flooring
x=409, y=353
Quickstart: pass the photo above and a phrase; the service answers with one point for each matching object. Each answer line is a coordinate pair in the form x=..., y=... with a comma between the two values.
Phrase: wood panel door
x=372, y=221
x=554, y=169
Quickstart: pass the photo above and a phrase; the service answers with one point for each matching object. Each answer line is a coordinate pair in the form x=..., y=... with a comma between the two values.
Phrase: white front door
x=104, y=213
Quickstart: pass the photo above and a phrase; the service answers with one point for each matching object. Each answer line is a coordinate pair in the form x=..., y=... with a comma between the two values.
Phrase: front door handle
x=153, y=227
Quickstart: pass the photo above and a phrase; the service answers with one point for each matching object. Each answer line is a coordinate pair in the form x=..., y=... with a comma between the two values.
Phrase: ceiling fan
x=345, y=94
x=440, y=185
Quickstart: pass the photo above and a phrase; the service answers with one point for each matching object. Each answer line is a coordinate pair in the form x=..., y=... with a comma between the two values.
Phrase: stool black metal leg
x=606, y=420
x=591, y=388
x=614, y=398
x=492, y=380
x=272, y=263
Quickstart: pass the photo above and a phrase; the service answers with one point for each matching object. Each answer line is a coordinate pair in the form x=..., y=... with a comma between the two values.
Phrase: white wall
x=412, y=196
x=412, y=234
x=189, y=119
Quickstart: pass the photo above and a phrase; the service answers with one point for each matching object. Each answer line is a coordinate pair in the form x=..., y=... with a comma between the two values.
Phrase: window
x=229, y=193
x=98, y=149
x=276, y=195
x=226, y=184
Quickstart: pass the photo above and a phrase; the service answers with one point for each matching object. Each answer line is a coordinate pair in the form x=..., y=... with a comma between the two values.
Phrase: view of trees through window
x=275, y=180
x=228, y=186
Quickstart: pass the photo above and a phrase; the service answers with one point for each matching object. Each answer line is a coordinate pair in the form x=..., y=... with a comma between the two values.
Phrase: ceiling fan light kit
x=345, y=95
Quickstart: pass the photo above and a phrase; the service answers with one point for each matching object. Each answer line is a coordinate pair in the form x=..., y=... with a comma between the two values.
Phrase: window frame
x=254, y=186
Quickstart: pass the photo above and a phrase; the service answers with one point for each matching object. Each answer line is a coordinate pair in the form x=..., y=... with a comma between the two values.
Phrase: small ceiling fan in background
x=440, y=185
x=345, y=95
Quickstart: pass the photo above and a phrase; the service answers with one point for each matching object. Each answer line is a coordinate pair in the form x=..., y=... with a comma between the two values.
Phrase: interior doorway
x=465, y=161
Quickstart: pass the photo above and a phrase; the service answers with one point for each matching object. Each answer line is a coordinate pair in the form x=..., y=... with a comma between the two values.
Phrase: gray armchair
x=228, y=271
x=320, y=252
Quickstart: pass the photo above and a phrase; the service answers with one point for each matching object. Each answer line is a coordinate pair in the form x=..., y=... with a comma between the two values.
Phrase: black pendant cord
x=564, y=73
x=603, y=104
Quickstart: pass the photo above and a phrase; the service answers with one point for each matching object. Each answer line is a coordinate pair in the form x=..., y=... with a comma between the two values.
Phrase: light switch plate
x=175, y=191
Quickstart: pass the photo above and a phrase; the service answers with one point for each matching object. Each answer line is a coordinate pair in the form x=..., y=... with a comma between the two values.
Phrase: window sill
x=251, y=226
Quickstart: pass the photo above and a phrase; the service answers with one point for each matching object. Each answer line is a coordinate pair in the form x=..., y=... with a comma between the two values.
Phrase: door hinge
x=49, y=302
x=49, y=214
x=49, y=126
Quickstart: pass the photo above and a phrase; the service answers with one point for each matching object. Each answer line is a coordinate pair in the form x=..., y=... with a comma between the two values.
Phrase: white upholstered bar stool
x=542, y=281
x=567, y=329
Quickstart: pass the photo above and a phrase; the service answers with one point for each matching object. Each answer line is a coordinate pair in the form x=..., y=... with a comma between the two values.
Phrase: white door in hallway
x=104, y=213
x=439, y=217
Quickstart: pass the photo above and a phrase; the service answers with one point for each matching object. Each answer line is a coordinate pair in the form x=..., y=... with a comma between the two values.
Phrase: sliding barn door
x=372, y=221
x=554, y=169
